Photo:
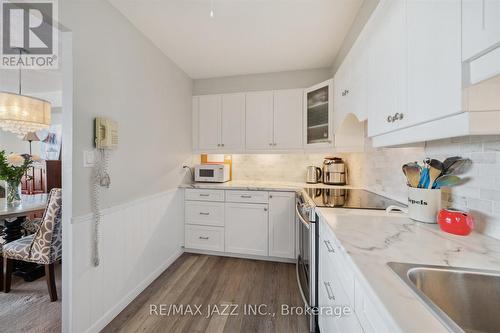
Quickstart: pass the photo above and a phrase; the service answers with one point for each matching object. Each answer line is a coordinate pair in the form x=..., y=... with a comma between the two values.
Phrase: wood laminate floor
x=27, y=307
x=216, y=284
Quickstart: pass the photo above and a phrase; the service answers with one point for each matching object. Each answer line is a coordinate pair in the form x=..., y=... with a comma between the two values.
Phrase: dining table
x=11, y=219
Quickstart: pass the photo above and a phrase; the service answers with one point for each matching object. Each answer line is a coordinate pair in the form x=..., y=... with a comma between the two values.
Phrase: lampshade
x=21, y=114
x=31, y=136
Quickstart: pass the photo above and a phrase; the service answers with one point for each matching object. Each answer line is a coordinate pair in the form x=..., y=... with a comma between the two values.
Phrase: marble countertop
x=259, y=186
x=29, y=203
x=371, y=239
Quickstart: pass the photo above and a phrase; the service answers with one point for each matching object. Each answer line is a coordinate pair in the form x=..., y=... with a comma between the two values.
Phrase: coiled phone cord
x=100, y=178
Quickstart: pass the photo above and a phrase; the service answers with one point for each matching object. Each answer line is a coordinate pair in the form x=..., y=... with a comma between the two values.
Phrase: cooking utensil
x=412, y=173
x=424, y=176
x=457, y=167
x=449, y=161
x=435, y=170
x=447, y=180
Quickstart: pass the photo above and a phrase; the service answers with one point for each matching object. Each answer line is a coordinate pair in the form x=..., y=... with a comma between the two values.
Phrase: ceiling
x=244, y=36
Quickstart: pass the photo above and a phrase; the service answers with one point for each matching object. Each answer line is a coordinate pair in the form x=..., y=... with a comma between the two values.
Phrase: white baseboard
x=127, y=299
x=242, y=256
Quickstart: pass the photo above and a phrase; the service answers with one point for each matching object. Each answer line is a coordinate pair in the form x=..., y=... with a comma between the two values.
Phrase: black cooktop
x=349, y=198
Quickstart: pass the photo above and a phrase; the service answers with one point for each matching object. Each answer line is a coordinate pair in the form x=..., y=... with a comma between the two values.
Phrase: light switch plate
x=88, y=159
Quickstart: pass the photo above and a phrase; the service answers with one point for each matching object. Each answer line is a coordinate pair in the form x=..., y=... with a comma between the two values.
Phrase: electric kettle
x=313, y=175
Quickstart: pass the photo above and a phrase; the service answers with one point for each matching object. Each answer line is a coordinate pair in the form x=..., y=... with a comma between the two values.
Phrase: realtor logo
x=28, y=35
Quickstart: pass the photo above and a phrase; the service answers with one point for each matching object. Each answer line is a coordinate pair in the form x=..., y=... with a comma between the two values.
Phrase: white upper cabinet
x=341, y=91
x=220, y=120
x=480, y=27
x=350, y=86
x=288, y=119
x=209, y=122
x=318, y=115
x=386, y=93
x=259, y=120
x=434, y=60
x=274, y=120
x=233, y=122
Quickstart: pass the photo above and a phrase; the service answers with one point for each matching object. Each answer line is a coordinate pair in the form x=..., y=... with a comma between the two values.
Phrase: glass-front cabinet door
x=318, y=115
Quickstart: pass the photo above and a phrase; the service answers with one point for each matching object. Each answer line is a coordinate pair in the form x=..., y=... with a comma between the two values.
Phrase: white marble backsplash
x=481, y=194
x=379, y=170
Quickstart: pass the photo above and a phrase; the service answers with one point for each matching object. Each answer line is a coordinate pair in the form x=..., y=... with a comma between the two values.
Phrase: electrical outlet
x=88, y=159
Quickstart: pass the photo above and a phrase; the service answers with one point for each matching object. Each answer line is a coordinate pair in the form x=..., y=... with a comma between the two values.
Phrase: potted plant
x=12, y=169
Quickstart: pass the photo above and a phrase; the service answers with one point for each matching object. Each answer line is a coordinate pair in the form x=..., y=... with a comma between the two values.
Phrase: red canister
x=455, y=222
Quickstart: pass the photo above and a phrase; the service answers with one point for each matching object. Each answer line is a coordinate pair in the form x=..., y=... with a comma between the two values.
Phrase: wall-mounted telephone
x=106, y=133
x=106, y=137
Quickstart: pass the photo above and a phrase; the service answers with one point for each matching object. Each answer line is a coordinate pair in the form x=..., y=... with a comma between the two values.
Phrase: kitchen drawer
x=336, y=256
x=204, y=195
x=247, y=196
x=204, y=213
x=370, y=319
x=333, y=295
x=204, y=238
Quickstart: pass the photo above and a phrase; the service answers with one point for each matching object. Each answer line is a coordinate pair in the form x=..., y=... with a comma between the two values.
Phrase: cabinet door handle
x=222, y=145
x=265, y=209
x=205, y=238
x=203, y=213
x=398, y=116
x=270, y=143
x=204, y=195
x=270, y=196
x=390, y=119
x=329, y=246
x=329, y=291
x=246, y=196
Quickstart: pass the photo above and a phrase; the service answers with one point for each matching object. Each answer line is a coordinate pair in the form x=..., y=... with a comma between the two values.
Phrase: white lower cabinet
x=246, y=228
x=256, y=223
x=339, y=288
x=337, y=308
x=204, y=237
x=282, y=224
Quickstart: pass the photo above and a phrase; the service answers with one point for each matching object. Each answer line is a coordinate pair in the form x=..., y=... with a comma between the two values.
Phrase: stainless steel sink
x=465, y=300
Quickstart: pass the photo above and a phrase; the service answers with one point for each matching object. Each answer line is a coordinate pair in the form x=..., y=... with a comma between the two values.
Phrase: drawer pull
x=329, y=246
x=205, y=238
x=202, y=213
x=329, y=291
x=204, y=195
x=246, y=196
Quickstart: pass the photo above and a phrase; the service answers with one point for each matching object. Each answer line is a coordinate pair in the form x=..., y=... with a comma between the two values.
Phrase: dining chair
x=2, y=242
x=43, y=247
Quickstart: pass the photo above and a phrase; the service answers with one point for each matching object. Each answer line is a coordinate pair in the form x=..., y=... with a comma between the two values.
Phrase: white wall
x=267, y=81
x=120, y=74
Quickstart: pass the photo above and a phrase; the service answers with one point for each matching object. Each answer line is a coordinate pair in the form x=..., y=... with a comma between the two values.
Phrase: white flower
x=15, y=160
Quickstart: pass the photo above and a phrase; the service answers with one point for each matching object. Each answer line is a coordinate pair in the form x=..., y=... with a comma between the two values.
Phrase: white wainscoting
x=139, y=240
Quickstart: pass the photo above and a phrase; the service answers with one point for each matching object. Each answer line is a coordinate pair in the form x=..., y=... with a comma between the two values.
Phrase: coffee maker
x=334, y=171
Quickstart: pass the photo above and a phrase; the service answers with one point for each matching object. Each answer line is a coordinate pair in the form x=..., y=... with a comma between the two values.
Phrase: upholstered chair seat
x=19, y=249
x=43, y=247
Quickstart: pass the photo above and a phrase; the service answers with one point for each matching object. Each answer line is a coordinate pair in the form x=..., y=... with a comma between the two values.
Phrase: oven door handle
x=304, y=222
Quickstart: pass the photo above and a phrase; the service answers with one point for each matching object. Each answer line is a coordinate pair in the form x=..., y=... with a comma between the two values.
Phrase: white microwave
x=211, y=173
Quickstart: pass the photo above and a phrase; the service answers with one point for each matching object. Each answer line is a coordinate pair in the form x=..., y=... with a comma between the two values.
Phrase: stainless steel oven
x=307, y=265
